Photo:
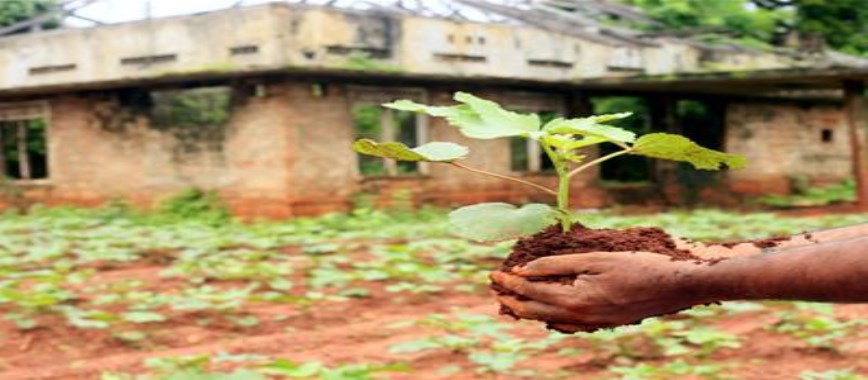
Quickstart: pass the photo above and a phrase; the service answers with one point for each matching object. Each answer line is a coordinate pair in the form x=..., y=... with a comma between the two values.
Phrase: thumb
x=561, y=265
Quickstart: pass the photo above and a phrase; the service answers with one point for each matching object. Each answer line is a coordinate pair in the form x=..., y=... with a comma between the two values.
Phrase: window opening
x=372, y=121
x=827, y=135
x=25, y=149
x=627, y=168
x=526, y=155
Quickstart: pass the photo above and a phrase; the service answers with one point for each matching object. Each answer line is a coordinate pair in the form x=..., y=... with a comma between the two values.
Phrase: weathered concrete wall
x=278, y=37
x=146, y=49
x=783, y=141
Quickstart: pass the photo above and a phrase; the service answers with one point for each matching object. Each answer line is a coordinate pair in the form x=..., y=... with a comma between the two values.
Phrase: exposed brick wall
x=782, y=141
x=322, y=163
x=99, y=150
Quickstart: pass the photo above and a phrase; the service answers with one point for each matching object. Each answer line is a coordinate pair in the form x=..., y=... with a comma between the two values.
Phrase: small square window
x=827, y=135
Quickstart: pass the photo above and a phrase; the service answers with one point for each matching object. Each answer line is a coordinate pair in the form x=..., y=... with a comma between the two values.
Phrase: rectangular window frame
x=20, y=112
x=376, y=96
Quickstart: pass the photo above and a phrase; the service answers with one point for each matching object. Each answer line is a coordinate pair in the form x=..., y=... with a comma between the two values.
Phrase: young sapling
x=563, y=141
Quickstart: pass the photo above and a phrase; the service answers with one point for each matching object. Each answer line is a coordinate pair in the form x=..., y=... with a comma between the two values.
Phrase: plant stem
x=508, y=178
x=563, y=187
x=564, y=199
x=598, y=161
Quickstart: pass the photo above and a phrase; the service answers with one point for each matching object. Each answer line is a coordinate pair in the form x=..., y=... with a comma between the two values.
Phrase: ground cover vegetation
x=189, y=293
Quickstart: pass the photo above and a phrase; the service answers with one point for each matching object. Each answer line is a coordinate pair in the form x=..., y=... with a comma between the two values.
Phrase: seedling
x=564, y=141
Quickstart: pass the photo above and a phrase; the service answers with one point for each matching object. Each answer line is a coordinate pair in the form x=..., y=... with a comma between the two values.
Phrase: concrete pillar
x=857, y=121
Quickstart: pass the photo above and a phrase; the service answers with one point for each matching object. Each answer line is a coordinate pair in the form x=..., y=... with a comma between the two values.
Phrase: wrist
x=717, y=282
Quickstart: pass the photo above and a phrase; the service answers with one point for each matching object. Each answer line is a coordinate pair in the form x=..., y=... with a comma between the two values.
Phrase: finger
x=560, y=265
x=540, y=291
x=538, y=310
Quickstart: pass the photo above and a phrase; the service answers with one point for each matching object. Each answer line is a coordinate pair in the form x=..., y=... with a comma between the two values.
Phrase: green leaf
x=500, y=221
x=432, y=152
x=143, y=317
x=293, y=369
x=495, y=121
x=414, y=346
x=609, y=117
x=591, y=127
x=680, y=148
x=442, y=151
x=476, y=117
x=411, y=106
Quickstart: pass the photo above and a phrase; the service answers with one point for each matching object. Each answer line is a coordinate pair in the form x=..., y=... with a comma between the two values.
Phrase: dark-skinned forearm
x=799, y=240
x=835, y=271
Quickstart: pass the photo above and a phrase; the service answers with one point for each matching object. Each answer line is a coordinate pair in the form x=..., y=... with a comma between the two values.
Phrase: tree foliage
x=843, y=24
x=716, y=19
x=15, y=11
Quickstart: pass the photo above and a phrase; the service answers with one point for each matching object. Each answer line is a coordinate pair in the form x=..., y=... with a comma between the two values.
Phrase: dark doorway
x=628, y=168
x=702, y=122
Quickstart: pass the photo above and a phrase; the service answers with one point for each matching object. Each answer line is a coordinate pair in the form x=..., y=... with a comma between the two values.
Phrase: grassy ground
x=114, y=295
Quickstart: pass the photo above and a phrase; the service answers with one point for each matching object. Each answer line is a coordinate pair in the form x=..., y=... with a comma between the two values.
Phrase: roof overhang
x=757, y=83
x=787, y=83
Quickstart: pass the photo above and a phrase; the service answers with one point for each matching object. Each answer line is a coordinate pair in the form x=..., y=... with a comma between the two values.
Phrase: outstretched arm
x=829, y=272
x=804, y=239
x=618, y=288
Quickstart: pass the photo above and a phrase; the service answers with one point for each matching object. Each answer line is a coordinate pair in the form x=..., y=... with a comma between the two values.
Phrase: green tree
x=15, y=11
x=841, y=24
x=716, y=19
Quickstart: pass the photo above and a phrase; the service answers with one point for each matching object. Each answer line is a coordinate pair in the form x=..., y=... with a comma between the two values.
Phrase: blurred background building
x=261, y=102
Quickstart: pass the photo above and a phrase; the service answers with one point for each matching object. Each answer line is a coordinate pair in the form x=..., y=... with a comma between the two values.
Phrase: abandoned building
x=262, y=103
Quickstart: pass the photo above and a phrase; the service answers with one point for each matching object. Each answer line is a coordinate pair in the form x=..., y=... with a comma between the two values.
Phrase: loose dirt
x=552, y=242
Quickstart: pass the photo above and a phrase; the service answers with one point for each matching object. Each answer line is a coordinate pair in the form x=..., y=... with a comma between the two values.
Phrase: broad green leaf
x=496, y=121
x=584, y=142
x=500, y=221
x=590, y=127
x=680, y=148
x=609, y=117
x=411, y=106
x=442, y=151
x=476, y=117
x=558, y=141
x=433, y=152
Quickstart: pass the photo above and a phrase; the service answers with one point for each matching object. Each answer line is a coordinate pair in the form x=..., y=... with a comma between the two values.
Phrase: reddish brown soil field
x=360, y=331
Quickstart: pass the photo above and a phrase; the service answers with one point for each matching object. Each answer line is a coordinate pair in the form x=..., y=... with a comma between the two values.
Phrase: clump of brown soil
x=552, y=242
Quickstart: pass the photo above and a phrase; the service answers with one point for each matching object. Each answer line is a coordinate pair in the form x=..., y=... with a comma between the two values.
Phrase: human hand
x=611, y=289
